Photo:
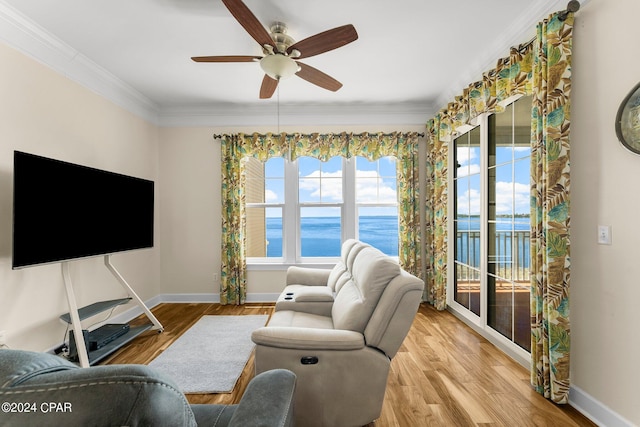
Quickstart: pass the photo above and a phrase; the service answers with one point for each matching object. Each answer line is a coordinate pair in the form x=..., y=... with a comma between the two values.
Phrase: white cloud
x=270, y=196
x=465, y=158
x=467, y=170
x=507, y=195
x=331, y=185
x=469, y=202
x=464, y=155
x=370, y=187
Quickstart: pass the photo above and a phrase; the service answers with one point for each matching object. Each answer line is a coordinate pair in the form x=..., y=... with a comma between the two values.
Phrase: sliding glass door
x=466, y=222
x=508, y=225
x=491, y=183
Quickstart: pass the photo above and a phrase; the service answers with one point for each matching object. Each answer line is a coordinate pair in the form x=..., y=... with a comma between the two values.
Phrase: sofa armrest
x=307, y=338
x=267, y=401
x=307, y=276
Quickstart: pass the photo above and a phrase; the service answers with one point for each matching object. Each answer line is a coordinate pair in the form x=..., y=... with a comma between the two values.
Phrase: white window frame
x=291, y=219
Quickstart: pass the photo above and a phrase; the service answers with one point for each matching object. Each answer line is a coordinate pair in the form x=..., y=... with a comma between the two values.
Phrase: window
x=321, y=207
x=377, y=203
x=491, y=182
x=265, y=204
x=303, y=210
x=467, y=220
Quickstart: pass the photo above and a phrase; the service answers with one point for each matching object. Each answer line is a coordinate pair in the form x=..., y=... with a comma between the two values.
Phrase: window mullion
x=349, y=210
x=290, y=218
x=484, y=215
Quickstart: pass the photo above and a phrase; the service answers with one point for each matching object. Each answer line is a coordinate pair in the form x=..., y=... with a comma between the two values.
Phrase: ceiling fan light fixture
x=280, y=51
x=278, y=66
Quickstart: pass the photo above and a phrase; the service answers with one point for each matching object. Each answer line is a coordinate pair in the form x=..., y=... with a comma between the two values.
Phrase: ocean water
x=320, y=236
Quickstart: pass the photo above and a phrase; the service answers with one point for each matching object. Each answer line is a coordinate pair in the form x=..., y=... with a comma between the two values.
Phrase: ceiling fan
x=281, y=52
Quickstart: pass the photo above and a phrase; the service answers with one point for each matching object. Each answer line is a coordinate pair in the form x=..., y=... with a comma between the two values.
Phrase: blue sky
x=511, y=165
x=321, y=182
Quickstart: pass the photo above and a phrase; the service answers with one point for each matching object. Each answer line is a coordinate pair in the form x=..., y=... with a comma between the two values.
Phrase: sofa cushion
x=346, y=247
x=350, y=256
x=307, y=276
x=313, y=294
x=342, y=280
x=354, y=304
x=300, y=320
x=336, y=273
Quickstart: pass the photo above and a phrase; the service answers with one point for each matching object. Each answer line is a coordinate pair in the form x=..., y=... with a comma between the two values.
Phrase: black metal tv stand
x=76, y=315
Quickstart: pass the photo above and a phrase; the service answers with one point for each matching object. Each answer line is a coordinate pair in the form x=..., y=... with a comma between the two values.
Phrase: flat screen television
x=64, y=211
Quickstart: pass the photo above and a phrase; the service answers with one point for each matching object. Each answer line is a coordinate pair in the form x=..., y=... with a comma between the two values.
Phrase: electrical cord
x=104, y=320
x=64, y=350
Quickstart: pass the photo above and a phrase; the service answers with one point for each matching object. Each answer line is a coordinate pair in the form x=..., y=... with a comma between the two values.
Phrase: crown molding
x=24, y=35
x=409, y=114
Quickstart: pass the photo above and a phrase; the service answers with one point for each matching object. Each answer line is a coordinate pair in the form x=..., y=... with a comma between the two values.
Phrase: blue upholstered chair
x=40, y=389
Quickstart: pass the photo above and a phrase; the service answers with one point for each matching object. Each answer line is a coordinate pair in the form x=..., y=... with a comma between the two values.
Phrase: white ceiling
x=412, y=56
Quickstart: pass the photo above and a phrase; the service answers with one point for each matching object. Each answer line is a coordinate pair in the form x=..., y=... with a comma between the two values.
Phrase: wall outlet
x=215, y=277
x=604, y=234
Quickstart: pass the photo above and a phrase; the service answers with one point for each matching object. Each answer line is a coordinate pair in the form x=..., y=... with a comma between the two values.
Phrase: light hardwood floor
x=445, y=374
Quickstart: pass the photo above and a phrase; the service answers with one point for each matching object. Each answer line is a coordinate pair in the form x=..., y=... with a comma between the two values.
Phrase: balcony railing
x=508, y=255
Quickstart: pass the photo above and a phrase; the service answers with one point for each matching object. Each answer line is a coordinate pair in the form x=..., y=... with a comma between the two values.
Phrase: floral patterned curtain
x=550, y=184
x=404, y=146
x=541, y=69
x=233, y=275
x=234, y=266
x=408, y=185
x=319, y=146
x=436, y=215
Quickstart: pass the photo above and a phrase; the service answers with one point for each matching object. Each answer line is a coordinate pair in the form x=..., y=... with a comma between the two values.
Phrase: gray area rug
x=210, y=356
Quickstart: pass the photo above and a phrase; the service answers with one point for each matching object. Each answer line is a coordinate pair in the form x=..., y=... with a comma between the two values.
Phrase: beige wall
x=605, y=284
x=44, y=113
x=190, y=210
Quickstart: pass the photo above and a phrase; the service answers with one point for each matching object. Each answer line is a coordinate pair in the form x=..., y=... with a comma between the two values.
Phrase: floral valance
x=325, y=146
x=512, y=76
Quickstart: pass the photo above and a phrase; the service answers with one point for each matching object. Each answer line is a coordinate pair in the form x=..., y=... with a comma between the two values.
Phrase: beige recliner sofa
x=338, y=330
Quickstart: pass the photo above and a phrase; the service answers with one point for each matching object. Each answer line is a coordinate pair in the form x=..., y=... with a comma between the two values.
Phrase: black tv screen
x=63, y=211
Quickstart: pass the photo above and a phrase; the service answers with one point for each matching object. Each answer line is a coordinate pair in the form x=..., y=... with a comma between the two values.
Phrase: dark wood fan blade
x=318, y=78
x=249, y=22
x=230, y=58
x=269, y=86
x=325, y=41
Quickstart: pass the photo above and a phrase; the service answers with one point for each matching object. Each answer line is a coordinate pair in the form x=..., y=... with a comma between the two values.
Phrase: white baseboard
x=595, y=410
x=136, y=311
x=262, y=297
